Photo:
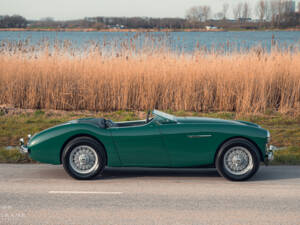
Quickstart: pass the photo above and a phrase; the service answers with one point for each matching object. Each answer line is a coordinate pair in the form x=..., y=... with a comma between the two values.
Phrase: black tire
x=228, y=146
x=99, y=155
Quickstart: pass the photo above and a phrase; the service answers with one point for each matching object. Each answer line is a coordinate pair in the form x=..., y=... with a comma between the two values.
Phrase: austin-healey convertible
x=86, y=146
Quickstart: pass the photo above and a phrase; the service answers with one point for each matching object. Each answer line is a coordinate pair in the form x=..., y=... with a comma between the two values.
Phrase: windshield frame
x=164, y=115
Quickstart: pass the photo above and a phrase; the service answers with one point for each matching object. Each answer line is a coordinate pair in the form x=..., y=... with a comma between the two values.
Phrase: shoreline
x=107, y=30
x=138, y=30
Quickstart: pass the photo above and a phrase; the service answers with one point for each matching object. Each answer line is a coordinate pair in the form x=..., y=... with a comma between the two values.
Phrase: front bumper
x=270, y=154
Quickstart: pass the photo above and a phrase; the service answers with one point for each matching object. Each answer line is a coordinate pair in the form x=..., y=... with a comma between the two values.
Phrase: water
x=183, y=41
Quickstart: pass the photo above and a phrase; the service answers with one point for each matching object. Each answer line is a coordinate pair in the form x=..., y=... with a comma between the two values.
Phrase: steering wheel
x=148, y=116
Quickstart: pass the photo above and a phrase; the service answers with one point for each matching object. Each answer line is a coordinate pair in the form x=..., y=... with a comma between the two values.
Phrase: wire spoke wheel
x=84, y=159
x=238, y=160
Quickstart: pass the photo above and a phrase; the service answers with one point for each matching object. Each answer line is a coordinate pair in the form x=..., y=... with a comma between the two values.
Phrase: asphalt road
x=43, y=194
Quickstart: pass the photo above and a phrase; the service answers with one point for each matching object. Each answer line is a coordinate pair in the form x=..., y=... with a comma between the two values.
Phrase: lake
x=182, y=41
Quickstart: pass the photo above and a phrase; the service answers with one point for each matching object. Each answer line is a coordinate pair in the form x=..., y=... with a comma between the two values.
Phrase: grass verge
x=13, y=156
x=285, y=130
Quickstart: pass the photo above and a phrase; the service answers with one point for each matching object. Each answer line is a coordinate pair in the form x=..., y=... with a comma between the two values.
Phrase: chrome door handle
x=200, y=136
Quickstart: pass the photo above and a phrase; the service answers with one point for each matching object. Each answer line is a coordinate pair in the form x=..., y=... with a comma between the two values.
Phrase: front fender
x=257, y=135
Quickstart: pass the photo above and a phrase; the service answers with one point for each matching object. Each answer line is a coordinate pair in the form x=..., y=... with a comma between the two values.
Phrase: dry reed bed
x=253, y=81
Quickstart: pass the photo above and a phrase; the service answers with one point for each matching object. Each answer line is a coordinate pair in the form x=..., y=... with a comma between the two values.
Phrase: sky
x=76, y=9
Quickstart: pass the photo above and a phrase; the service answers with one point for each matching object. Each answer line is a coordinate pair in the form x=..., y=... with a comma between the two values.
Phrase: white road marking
x=86, y=192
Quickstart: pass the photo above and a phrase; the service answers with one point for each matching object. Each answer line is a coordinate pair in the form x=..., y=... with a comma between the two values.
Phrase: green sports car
x=86, y=146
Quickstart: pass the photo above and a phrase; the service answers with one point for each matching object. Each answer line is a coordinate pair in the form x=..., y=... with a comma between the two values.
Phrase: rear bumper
x=269, y=154
x=23, y=149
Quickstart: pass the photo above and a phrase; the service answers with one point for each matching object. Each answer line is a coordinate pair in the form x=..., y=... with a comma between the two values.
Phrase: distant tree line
x=269, y=14
x=14, y=21
x=113, y=22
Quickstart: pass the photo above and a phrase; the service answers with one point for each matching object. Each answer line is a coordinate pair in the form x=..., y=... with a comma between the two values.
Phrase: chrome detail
x=270, y=156
x=268, y=136
x=21, y=141
x=23, y=149
x=269, y=150
x=238, y=160
x=84, y=159
x=29, y=136
x=270, y=153
x=199, y=136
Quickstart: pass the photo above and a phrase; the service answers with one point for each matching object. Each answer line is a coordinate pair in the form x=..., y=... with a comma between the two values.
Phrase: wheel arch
x=82, y=135
x=239, y=137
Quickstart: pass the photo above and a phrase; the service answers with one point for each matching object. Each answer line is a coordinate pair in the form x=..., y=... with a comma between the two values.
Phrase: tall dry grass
x=42, y=77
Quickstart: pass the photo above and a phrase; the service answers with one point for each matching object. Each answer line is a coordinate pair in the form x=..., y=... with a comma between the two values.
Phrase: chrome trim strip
x=200, y=136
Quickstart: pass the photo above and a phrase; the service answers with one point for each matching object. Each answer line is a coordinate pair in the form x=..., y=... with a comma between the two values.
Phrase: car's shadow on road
x=271, y=173
x=264, y=174
x=124, y=173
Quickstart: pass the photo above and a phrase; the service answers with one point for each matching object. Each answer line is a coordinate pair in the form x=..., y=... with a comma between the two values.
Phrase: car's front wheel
x=238, y=160
x=83, y=158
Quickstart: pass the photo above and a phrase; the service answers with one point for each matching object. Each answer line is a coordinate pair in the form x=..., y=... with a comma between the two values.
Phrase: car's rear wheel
x=238, y=160
x=83, y=158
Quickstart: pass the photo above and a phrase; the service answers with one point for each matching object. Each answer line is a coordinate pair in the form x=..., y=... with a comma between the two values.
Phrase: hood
x=205, y=120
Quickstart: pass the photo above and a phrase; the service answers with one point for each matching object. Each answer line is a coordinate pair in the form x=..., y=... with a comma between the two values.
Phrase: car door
x=140, y=145
x=188, y=145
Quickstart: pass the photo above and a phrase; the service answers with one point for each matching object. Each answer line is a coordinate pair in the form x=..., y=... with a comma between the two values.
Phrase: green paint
x=166, y=141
